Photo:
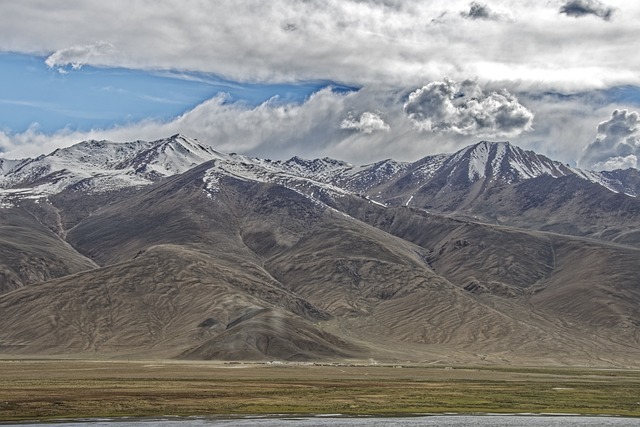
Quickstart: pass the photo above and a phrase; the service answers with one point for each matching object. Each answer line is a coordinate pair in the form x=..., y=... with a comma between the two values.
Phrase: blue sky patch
x=31, y=94
x=624, y=94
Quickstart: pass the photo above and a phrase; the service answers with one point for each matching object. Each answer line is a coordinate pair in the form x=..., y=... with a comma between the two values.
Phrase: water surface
x=434, y=420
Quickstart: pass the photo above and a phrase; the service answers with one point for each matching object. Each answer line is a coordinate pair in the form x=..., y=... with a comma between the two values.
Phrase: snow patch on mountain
x=501, y=152
x=478, y=161
x=6, y=165
x=211, y=180
x=608, y=181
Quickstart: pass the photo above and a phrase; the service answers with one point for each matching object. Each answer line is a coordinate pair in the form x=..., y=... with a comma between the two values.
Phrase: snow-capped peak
x=170, y=156
x=100, y=166
x=501, y=161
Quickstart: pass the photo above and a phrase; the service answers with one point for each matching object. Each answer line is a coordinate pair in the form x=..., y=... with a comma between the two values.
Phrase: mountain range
x=168, y=248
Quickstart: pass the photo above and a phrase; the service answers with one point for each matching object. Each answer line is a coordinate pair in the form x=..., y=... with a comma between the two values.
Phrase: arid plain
x=50, y=389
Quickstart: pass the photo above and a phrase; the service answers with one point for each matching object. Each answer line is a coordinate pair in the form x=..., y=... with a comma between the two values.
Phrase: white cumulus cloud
x=620, y=162
x=464, y=108
x=617, y=144
x=368, y=122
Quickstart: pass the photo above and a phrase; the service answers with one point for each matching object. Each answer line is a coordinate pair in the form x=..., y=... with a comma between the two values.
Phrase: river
x=336, y=421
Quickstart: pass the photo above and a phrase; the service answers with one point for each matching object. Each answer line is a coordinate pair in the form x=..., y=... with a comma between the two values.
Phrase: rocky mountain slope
x=171, y=249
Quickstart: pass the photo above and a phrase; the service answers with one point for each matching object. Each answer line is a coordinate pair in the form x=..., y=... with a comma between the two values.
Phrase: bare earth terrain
x=45, y=389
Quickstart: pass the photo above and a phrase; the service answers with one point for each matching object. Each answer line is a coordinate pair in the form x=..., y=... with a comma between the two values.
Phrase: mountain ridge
x=482, y=181
x=492, y=160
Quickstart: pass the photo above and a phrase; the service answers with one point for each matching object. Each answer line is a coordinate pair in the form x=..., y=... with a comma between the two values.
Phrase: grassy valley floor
x=45, y=389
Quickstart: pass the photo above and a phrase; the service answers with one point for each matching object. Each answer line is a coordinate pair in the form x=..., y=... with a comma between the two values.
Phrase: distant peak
x=181, y=140
x=504, y=162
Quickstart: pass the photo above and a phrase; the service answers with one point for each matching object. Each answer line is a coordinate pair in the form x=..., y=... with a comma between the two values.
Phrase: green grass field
x=43, y=389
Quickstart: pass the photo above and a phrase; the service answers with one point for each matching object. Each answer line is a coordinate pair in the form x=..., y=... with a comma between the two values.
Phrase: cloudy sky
x=358, y=80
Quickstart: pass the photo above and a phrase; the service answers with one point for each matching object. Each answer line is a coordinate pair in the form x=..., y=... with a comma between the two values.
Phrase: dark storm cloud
x=464, y=108
x=617, y=145
x=480, y=11
x=580, y=8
